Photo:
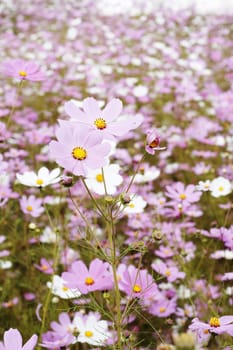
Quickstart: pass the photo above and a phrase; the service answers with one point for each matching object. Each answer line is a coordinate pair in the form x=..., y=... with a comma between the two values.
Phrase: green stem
x=100, y=211
x=114, y=263
x=14, y=104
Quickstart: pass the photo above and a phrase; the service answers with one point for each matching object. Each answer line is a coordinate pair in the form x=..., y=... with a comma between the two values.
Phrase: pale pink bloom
x=97, y=277
x=31, y=205
x=171, y=273
x=23, y=70
x=137, y=283
x=106, y=121
x=78, y=149
x=153, y=141
x=45, y=266
x=12, y=339
x=216, y=325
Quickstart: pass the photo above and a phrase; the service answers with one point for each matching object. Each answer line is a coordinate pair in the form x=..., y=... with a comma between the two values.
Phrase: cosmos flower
x=112, y=178
x=23, y=70
x=31, y=205
x=171, y=273
x=136, y=205
x=220, y=187
x=137, y=283
x=91, y=329
x=79, y=149
x=43, y=178
x=216, y=325
x=12, y=339
x=181, y=194
x=97, y=277
x=58, y=287
x=106, y=121
x=153, y=142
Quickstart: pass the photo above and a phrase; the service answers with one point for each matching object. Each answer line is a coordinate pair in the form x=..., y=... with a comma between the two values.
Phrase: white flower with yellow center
x=135, y=206
x=220, y=187
x=97, y=179
x=146, y=174
x=91, y=330
x=203, y=186
x=59, y=288
x=43, y=178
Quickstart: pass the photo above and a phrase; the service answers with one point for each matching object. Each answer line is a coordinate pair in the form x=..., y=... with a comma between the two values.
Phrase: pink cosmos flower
x=79, y=149
x=181, y=194
x=23, y=70
x=137, y=283
x=171, y=273
x=153, y=142
x=31, y=205
x=216, y=325
x=12, y=339
x=163, y=307
x=106, y=121
x=97, y=277
x=45, y=266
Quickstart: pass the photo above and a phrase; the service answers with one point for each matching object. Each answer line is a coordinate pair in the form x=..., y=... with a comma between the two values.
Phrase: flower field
x=116, y=178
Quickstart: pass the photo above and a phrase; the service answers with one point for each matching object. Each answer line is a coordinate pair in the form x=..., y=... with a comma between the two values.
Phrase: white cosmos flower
x=203, y=186
x=220, y=187
x=48, y=236
x=59, y=288
x=95, y=180
x=91, y=330
x=147, y=174
x=135, y=206
x=43, y=178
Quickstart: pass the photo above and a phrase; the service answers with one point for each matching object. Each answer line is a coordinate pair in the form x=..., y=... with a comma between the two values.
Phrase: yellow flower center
x=214, y=322
x=168, y=273
x=100, y=123
x=64, y=288
x=22, y=73
x=44, y=267
x=221, y=188
x=89, y=281
x=29, y=208
x=131, y=205
x=79, y=153
x=162, y=309
x=99, y=178
x=182, y=196
x=137, y=288
x=39, y=182
x=88, y=334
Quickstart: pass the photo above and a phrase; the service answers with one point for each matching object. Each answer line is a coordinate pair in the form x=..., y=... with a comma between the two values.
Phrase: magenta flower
x=153, y=142
x=106, y=122
x=13, y=340
x=137, y=283
x=79, y=149
x=97, y=277
x=31, y=205
x=216, y=325
x=23, y=70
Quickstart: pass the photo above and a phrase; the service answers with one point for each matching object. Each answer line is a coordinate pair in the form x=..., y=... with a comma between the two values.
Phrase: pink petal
x=112, y=110
x=91, y=108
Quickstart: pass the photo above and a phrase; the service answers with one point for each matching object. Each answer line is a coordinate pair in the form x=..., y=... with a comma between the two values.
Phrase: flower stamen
x=79, y=153
x=100, y=123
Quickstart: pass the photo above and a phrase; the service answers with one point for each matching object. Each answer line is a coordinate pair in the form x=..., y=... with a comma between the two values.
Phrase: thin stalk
x=14, y=104
x=100, y=211
x=112, y=241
